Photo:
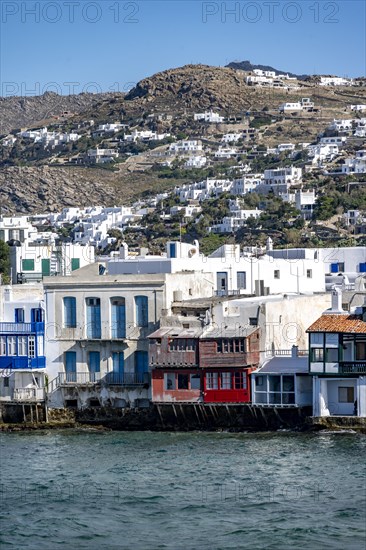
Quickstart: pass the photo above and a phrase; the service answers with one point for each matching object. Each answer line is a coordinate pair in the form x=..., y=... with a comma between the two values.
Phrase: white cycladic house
x=209, y=116
x=337, y=347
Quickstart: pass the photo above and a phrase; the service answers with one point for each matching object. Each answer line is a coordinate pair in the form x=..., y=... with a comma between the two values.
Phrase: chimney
x=336, y=302
x=123, y=251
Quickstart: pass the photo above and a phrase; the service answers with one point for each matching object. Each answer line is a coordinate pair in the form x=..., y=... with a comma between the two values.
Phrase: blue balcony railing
x=126, y=379
x=22, y=328
x=22, y=362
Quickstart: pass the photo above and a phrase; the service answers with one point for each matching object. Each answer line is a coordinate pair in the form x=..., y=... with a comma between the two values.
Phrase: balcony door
x=94, y=328
x=118, y=318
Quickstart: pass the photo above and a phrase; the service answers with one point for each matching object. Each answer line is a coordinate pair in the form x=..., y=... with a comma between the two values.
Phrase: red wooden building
x=226, y=359
x=174, y=363
x=211, y=366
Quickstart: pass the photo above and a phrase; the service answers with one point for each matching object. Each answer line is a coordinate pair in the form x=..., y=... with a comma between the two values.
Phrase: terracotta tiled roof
x=339, y=323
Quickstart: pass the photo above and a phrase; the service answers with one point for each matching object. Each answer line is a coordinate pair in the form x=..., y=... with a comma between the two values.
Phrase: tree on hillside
x=4, y=262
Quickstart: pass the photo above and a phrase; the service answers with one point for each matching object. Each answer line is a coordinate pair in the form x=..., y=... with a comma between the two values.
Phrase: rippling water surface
x=103, y=490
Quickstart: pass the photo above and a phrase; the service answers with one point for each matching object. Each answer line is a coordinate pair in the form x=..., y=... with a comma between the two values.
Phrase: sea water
x=80, y=489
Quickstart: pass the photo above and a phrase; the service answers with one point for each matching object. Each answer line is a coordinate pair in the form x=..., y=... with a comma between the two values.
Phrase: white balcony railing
x=28, y=394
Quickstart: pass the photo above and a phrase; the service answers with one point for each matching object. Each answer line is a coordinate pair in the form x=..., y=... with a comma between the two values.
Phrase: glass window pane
x=195, y=381
x=183, y=381
x=288, y=383
x=226, y=381
x=169, y=379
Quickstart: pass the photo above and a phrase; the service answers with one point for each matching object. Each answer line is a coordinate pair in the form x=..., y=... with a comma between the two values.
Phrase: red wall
x=160, y=395
x=227, y=395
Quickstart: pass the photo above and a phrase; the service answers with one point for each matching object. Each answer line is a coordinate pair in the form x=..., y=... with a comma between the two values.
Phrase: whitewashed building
x=337, y=345
x=209, y=116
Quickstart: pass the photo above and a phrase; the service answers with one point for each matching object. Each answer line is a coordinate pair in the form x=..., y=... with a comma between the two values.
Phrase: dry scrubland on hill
x=179, y=92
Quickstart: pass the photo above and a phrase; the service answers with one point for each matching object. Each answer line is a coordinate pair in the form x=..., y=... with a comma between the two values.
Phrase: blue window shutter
x=172, y=250
x=94, y=329
x=118, y=318
x=70, y=312
x=142, y=313
x=118, y=362
x=363, y=267
x=94, y=361
x=334, y=268
x=70, y=366
x=141, y=364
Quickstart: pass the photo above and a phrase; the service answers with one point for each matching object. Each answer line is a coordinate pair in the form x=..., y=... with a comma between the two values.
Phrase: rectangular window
x=40, y=346
x=239, y=345
x=94, y=328
x=274, y=383
x=183, y=380
x=226, y=381
x=317, y=355
x=346, y=394
x=360, y=351
x=36, y=315
x=240, y=380
x=317, y=338
x=6, y=382
x=221, y=281
x=241, y=279
x=276, y=274
x=170, y=381
x=141, y=307
x=212, y=380
x=288, y=383
x=219, y=346
x=362, y=267
x=22, y=345
x=309, y=273
x=28, y=265
x=12, y=347
x=19, y=315
x=2, y=345
x=331, y=355
x=31, y=346
x=69, y=312
x=259, y=382
x=195, y=381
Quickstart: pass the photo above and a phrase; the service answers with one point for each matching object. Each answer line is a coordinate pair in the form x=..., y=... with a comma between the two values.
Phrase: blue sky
x=82, y=45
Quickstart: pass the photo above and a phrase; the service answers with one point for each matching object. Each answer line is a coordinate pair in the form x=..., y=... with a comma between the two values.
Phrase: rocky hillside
x=19, y=112
x=178, y=92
